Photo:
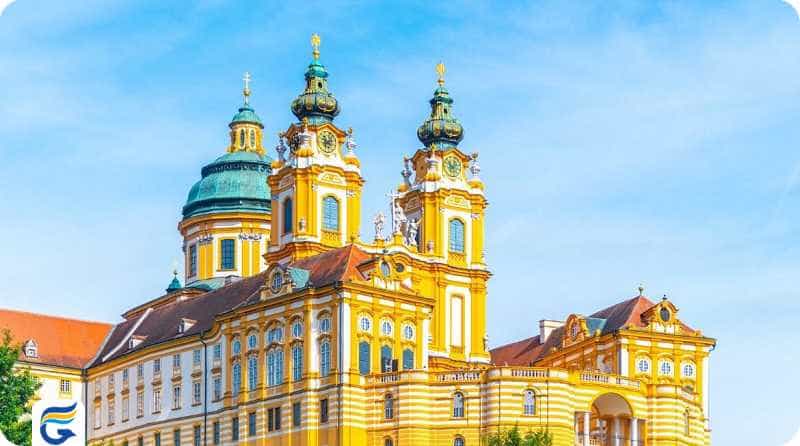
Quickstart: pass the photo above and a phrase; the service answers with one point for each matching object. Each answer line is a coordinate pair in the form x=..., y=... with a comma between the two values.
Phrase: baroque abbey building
x=291, y=329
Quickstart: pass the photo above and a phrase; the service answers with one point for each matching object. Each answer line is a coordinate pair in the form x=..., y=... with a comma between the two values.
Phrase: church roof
x=608, y=320
x=159, y=323
x=60, y=341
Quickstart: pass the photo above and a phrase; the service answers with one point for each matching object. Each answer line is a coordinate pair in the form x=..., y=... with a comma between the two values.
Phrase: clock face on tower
x=452, y=166
x=327, y=141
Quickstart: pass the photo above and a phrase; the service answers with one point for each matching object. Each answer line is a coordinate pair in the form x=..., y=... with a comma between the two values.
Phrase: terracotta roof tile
x=60, y=341
x=522, y=352
x=335, y=265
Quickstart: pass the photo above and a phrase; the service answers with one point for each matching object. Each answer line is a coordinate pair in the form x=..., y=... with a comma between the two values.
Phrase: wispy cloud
x=795, y=441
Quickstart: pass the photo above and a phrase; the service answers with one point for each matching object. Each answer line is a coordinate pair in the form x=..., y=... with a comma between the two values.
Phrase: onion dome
x=175, y=285
x=441, y=128
x=234, y=182
x=316, y=103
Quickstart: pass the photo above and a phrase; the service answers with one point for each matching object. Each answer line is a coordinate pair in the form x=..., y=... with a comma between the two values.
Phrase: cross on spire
x=315, y=41
x=440, y=70
x=246, y=91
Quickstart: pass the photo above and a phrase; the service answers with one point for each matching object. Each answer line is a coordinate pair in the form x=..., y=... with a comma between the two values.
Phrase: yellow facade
x=418, y=298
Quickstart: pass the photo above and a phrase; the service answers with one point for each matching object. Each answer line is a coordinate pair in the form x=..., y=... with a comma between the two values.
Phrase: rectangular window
x=156, y=400
x=323, y=411
x=176, y=361
x=217, y=388
x=125, y=377
x=110, y=412
x=218, y=352
x=251, y=424
x=176, y=397
x=157, y=439
x=277, y=418
x=216, y=432
x=235, y=429
x=176, y=437
x=156, y=366
x=196, y=356
x=197, y=436
x=227, y=255
x=140, y=403
x=196, y=392
x=192, y=260
x=140, y=372
x=297, y=415
x=66, y=386
x=125, y=408
x=363, y=357
x=274, y=419
x=140, y=441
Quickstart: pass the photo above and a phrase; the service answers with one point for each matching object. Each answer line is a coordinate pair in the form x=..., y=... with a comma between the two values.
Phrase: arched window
x=237, y=378
x=252, y=138
x=529, y=404
x=388, y=442
x=457, y=236
x=297, y=329
x=388, y=407
x=325, y=358
x=252, y=341
x=458, y=405
x=297, y=362
x=241, y=138
x=688, y=370
x=31, y=349
x=408, y=359
x=363, y=357
x=330, y=213
x=275, y=367
x=252, y=372
x=228, y=254
x=287, y=216
x=458, y=441
x=665, y=367
x=237, y=347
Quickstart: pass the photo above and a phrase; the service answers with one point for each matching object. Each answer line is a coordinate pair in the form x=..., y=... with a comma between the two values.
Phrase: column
x=634, y=432
x=586, y=419
x=617, y=440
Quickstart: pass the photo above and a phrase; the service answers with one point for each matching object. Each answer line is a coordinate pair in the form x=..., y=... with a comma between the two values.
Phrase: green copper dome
x=234, y=182
x=316, y=103
x=441, y=127
x=175, y=285
x=246, y=114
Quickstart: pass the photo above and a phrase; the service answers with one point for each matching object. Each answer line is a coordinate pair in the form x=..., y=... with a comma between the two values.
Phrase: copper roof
x=60, y=341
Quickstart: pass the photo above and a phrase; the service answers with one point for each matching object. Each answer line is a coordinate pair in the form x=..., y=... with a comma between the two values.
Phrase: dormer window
x=31, y=349
x=135, y=341
x=575, y=329
x=185, y=325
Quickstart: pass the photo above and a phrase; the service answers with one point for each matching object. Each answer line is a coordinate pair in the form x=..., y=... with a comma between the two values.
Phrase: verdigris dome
x=246, y=114
x=316, y=104
x=234, y=182
x=441, y=127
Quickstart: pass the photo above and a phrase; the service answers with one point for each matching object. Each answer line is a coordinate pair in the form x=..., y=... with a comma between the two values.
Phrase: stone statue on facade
x=412, y=228
x=398, y=218
x=379, y=221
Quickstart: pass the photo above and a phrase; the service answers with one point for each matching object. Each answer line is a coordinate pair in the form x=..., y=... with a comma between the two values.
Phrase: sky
x=622, y=142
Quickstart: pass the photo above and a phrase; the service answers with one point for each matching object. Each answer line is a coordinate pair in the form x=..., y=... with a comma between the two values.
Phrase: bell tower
x=442, y=203
x=316, y=181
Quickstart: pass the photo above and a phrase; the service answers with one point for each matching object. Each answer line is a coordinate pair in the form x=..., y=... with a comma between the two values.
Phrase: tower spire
x=315, y=41
x=246, y=91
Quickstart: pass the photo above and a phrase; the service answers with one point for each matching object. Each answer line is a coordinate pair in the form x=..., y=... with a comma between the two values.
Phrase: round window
x=364, y=323
x=386, y=328
x=665, y=314
x=408, y=332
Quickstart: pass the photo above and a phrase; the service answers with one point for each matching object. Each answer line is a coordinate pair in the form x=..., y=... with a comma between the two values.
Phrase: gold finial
x=350, y=131
x=246, y=91
x=440, y=69
x=315, y=41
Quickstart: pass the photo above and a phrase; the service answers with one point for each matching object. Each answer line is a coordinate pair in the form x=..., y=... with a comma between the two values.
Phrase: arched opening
x=610, y=421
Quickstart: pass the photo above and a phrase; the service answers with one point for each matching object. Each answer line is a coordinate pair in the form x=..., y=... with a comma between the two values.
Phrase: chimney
x=546, y=328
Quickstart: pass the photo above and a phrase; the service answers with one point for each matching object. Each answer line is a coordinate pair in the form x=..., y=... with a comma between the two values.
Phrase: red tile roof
x=334, y=265
x=530, y=350
x=61, y=342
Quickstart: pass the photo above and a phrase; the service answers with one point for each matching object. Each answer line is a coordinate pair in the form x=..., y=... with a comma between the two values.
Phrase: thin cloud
x=795, y=441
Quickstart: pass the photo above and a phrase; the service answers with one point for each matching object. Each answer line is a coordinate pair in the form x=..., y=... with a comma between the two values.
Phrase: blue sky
x=621, y=142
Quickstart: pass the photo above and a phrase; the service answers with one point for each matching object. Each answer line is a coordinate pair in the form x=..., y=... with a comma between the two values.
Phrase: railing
x=602, y=378
x=530, y=373
x=466, y=376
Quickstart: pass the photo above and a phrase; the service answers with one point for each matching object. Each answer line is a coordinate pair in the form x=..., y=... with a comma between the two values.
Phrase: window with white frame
x=529, y=403
x=388, y=407
x=386, y=327
x=297, y=329
x=687, y=370
x=458, y=441
x=252, y=341
x=125, y=377
x=665, y=367
x=176, y=397
x=458, y=405
x=156, y=400
x=643, y=365
x=196, y=357
x=176, y=361
x=66, y=386
x=325, y=325
x=325, y=358
x=252, y=372
x=217, y=388
x=110, y=412
x=196, y=392
x=140, y=403
x=156, y=366
x=297, y=362
x=217, y=352
x=365, y=323
x=408, y=332
x=237, y=378
x=125, y=408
